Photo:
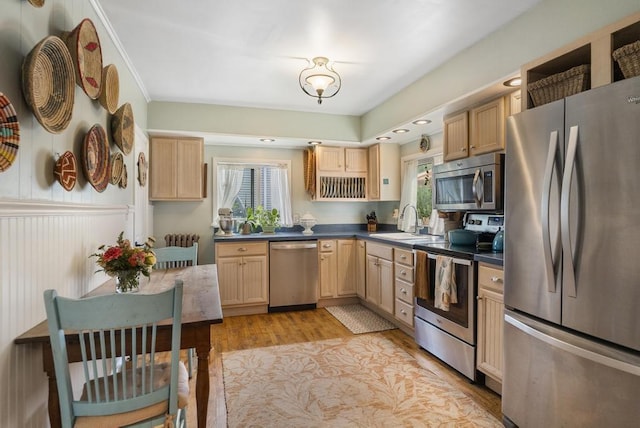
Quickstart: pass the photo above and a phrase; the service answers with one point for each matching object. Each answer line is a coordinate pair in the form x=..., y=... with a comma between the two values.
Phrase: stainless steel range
x=449, y=331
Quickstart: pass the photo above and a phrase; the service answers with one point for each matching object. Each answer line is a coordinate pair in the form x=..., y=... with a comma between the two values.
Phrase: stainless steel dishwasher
x=293, y=275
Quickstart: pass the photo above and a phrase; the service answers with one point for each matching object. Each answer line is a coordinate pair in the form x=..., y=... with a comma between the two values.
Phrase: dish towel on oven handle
x=445, y=288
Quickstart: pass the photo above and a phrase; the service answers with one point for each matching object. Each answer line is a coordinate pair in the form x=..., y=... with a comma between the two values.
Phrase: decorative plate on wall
x=66, y=171
x=122, y=128
x=95, y=158
x=143, y=167
x=9, y=133
x=48, y=84
x=84, y=46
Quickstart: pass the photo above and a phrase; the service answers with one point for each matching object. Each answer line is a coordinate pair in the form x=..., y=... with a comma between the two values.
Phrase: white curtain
x=409, y=195
x=229, y=183
x=281, y=194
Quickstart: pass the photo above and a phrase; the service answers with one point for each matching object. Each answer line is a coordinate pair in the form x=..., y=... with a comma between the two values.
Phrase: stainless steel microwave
x=472, y=184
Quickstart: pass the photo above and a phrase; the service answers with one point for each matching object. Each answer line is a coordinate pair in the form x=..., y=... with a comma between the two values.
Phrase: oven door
x=459, y=320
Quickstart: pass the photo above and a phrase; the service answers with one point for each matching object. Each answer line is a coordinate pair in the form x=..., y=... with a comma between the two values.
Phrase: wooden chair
x=112, y=328
x=173, y=257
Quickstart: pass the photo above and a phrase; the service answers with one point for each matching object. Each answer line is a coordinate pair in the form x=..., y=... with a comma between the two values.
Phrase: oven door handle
x=455, y=260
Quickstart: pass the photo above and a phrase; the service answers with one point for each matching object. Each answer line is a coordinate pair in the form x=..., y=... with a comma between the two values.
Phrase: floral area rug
x=359, y=319
x=361, y=381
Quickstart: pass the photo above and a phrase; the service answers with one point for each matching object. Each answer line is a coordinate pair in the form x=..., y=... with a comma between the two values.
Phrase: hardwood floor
x=254, y=331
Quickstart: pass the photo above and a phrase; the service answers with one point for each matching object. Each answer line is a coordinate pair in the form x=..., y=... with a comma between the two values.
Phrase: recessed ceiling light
x=421, y=122
x=400, y=131
x=383, y=138
x=513, y=82
x=314, y=143
x=267, y=140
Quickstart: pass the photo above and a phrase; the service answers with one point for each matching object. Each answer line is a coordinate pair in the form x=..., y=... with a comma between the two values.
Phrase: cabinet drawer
x=491, y=277
x=381, y=251
x=326, y=245
x=404, y=291
x=403, y=256
x=404, y=312
x=404, y=273
x=241, y=249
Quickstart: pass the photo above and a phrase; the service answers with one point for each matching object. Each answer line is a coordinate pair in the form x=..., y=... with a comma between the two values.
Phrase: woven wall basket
x=96, y=160
x=9, y=133
x=84, y=45
x=122, y=128
x=110, y=89
x=37, y=3
x=48, y=83
x=117, y=168
x=66, y=171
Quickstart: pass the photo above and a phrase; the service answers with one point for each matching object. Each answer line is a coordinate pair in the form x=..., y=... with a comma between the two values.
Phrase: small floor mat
x=359, y=319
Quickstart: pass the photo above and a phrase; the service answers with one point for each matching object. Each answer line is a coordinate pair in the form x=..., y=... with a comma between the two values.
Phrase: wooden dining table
x=200, y=309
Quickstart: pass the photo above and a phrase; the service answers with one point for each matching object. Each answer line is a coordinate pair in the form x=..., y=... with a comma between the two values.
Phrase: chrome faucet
x=415, y=230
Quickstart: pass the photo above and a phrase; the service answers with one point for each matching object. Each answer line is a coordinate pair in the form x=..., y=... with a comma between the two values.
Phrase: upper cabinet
x=487, y=127
x=176, y=169
x=341, y=173
x=579, y=66
x=456, y=136
x=384, y=172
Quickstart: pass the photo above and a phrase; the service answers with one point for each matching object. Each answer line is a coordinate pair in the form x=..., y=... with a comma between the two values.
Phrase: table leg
x=54, y=405
x=203, y=348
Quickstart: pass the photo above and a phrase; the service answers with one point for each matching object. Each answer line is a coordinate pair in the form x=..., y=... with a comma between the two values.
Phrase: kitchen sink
x=408, y=237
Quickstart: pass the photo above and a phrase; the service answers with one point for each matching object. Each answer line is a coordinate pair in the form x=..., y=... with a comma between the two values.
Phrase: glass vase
x=127, y=281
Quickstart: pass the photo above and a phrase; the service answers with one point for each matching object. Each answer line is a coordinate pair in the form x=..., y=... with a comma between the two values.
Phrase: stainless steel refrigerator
x=572, y=261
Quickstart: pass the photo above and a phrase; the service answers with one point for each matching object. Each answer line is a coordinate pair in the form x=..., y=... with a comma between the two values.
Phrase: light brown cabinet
x=380, y=284
x=243, y=275
x=337, y=268
x=490, y=321
x=176, y=169
x=341, y=174
x=404, y=284
x=456, y=136
x=384, y=172
x=487, y=127
x=341, y=159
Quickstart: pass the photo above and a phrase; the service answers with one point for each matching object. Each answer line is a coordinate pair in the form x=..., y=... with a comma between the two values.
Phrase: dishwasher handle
x=294, y=245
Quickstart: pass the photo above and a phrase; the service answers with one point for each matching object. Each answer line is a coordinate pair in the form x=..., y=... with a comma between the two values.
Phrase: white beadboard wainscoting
x=44, y=245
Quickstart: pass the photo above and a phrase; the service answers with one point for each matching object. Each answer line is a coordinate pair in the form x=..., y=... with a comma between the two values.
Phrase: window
x=240, y=184
x=424, y=201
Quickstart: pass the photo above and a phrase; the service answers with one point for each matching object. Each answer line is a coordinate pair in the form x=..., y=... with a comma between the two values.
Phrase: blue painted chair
x=173, y=257
x=111, y=328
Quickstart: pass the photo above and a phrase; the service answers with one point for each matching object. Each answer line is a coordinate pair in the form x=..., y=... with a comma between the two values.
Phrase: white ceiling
x=250, y=52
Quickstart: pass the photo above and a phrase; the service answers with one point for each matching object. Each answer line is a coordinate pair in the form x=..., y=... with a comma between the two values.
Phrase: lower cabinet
x=380, y=284
x=337, y=265
x=243, y=274
x=490, y=321
x=404, y=282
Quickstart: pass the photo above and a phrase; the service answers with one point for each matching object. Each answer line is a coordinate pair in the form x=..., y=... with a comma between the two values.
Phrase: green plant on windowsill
x=268, y=220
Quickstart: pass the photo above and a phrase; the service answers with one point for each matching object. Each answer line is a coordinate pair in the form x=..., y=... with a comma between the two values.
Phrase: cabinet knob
x=464, y=149
x=496, y=279
x=326, y=245
x=472, y=147
x=403, y=257
x=242, y=249
x=478, y=297
x=403, y=273
x=403, y=312
x=403, y=291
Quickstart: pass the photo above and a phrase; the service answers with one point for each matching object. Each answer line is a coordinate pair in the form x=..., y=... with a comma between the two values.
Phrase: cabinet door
x=373, y=280
x=189, y=170
x=490, y=333
x=328, y=274
x=487, y=128
x=386, y=285
x=230, y=280
x=254, y=279
x=456, y=137
x=330, y=158
x=355, y=160
x=374, y=172
x=361, y=266
x=346, y=285
x=163, y=168
x=515, y=103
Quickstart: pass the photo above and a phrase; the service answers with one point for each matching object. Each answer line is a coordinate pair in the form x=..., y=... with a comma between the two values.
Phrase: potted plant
x=268, y=220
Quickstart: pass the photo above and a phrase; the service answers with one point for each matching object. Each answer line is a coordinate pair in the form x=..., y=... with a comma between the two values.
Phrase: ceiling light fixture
x=320, y=80
x=421, y=122
x=314, y=143
x=267, y=140
x=513, y=82
x=383, y=138
x=400, y=131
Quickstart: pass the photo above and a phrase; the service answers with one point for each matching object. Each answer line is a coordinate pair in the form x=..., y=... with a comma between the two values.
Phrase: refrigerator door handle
x=570, y=278
x=478, y=191
x=549, y=262
x=575, y=349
